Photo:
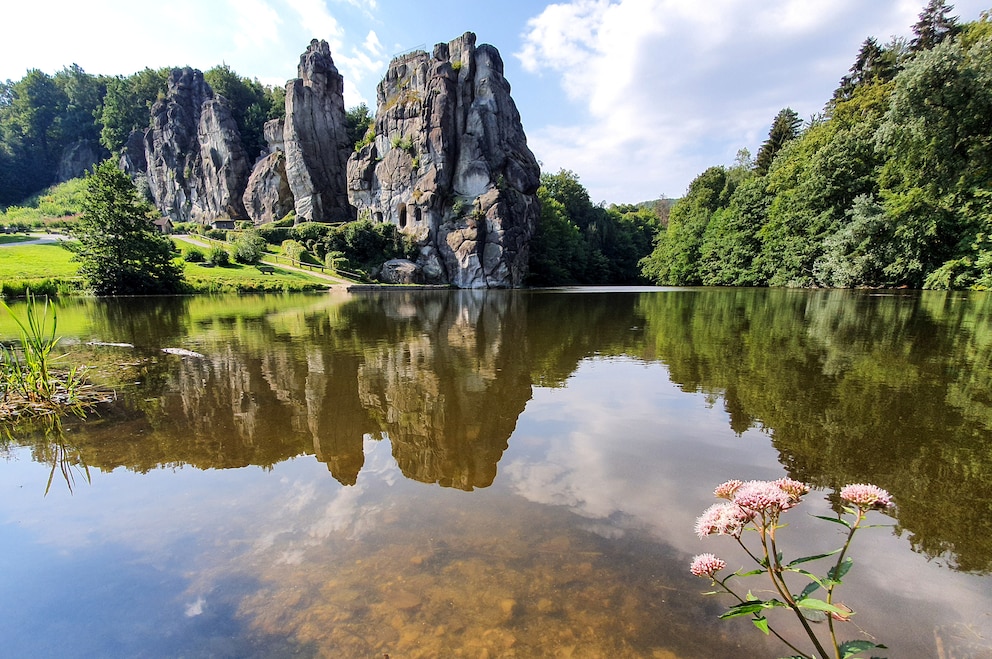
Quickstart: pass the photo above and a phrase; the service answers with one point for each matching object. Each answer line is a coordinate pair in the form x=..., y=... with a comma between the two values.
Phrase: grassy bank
x=48, y=269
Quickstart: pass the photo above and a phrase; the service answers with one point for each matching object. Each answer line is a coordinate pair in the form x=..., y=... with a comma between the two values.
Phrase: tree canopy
x=891, y=186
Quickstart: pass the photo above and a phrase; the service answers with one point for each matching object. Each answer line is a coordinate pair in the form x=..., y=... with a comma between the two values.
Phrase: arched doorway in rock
x=401, y=212
x=417, y=215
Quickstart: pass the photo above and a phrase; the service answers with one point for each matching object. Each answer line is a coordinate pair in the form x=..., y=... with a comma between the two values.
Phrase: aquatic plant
x=30, y=384
x=757, y=506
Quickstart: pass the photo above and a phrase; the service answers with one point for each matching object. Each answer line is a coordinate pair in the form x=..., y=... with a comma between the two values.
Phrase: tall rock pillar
x=316, y=139
x=450, y=166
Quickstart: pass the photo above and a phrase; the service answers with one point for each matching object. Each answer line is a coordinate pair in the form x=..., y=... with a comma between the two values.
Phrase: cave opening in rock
x=401, y=210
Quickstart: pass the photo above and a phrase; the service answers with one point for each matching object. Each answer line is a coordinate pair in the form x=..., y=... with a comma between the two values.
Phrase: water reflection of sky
x=182, y=561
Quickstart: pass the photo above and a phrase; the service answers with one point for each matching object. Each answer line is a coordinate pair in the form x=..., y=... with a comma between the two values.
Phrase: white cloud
x=670, y=87
x=316, y=20
x=357, y=64
x=256, y=22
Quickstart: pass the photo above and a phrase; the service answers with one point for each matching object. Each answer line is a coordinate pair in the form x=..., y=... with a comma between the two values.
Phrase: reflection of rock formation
x=450, y=397
x=443, y=375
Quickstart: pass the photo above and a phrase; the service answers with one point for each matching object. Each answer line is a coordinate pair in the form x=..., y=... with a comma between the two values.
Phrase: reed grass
x=31, y=384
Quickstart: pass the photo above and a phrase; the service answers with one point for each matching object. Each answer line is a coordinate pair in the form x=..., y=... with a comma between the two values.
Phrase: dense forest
x=889, y=187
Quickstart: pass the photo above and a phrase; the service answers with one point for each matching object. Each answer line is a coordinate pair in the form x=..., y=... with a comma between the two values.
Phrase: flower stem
x=740, y=599
x=836, y=571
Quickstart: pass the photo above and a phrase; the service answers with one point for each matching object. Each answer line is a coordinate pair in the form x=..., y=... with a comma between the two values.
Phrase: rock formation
x=449, y=163
x=316, y=139
x=225, y=166
x=79, y=158
x=196, y=164
x=450, y=166
x=268, y=196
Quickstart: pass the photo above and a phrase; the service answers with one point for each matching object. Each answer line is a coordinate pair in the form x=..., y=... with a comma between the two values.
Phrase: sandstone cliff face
x=316, y=141
x=268, y=196
x=225, y=167
x=196, y=165
x=79, y=158
x=450, y=166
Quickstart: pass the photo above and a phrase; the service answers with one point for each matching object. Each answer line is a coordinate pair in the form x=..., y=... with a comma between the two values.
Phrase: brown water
x=501, y=474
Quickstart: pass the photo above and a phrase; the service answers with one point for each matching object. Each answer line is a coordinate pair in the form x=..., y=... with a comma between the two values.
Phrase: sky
x=636, y=97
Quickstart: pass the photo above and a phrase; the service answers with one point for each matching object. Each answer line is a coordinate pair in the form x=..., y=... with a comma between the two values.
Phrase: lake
x=494, y=474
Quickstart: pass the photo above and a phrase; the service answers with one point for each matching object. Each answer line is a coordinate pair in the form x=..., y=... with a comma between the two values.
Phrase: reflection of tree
x=854, y=387
x=851, y=386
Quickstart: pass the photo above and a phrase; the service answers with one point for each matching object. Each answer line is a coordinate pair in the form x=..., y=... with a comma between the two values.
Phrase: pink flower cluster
x=706, y=565
x=746, y=500
x=722, y=519
x=866, y=496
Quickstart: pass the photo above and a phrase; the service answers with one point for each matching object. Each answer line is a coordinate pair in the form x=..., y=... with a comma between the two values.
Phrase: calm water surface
x=501, y=474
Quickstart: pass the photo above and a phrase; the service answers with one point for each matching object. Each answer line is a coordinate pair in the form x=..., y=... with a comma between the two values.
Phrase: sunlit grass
x=36, y=262
x=29, y=266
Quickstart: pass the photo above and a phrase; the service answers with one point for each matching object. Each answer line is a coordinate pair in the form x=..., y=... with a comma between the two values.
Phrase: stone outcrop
x=132, y=161
x=79, y=158
x=268, y=197
x=316, y=139
x=449, y=163
x=450, y=166
x=225, y=166
x=195, y=163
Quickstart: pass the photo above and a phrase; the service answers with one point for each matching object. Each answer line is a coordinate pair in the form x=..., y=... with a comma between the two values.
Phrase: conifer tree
x=934, y=26
x=784, y=128
x=119, y=250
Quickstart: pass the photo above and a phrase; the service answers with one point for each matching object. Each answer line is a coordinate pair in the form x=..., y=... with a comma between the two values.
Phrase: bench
x=265, y=269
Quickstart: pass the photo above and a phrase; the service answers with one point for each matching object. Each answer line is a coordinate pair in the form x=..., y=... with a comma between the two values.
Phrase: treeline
x=579, y=242
x=52, y=120
x=891, y=186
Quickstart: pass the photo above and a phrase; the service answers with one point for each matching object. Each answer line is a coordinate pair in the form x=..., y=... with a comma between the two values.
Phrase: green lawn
x=26, y=263
x=238, y=277
x=35, y=262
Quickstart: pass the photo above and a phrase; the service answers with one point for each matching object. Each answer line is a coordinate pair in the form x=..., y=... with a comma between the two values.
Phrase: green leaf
x=822, y=583
x=806, y=559
x=835, y=520
x=749, y=608
x=762, y=624
x=837, y=572
x=750, y=573
x=852, y=648
x=819, y=605
x=809, y=590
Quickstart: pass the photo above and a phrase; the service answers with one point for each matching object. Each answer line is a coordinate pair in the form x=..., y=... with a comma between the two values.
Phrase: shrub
x=335, y=260
x=186, y=227
x=275, y=235
x=288, y=220
x=216, y=234
x=249, y=247
x=292, y=249
x=218, y=256
x=308, y=232
x=193, y=255
x=367, y=139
